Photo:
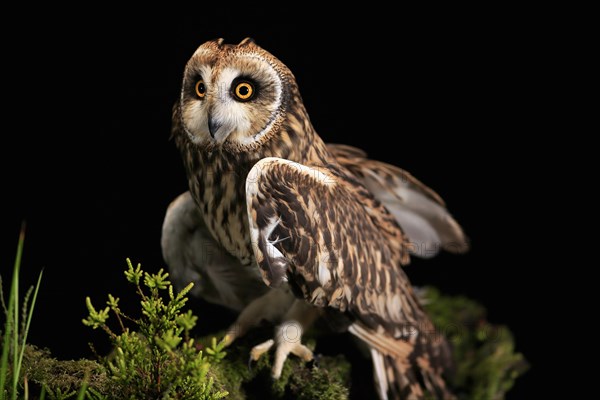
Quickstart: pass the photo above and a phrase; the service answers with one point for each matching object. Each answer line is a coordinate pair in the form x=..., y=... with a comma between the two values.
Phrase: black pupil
x=244, y=90
x=201, y=88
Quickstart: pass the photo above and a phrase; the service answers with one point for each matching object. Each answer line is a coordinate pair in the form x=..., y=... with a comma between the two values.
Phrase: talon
x=260, y=349
x=250, y=363
x=289, y=340
x=282, y=352
x=315, y=362
x=303, y=352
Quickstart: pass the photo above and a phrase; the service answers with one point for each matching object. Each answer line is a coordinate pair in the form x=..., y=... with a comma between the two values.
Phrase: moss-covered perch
x=487, y=364
x=484, y=354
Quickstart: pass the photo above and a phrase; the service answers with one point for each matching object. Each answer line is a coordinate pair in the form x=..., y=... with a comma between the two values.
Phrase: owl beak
x=213, y=126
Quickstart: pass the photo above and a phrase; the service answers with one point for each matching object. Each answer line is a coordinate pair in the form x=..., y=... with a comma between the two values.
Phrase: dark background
x=86, y=158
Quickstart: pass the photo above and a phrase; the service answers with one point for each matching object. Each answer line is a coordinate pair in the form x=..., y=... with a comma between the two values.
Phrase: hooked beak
x=213, y=126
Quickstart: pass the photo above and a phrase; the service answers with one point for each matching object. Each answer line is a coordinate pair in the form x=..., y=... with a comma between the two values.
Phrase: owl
x=281, y=226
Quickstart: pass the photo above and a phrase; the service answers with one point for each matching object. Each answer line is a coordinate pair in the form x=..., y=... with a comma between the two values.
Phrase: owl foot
x=272, y=306
x=288, y=339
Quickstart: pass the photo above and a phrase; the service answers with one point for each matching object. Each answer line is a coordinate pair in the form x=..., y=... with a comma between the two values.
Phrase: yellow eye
x=200, y=89
x=243, y=91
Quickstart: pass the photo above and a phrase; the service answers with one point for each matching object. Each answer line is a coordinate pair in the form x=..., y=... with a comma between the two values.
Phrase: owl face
x=233, y=96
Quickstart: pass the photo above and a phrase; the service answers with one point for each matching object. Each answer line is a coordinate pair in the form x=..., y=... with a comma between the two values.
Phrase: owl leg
x=271, y=307
x=288, y=337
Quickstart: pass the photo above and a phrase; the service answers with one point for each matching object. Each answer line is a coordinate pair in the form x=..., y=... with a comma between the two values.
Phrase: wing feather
x=419, y=210
x=334, y=244
x=311, y=224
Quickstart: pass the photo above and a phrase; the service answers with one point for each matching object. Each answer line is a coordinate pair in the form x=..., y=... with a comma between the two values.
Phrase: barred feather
x=331, y=224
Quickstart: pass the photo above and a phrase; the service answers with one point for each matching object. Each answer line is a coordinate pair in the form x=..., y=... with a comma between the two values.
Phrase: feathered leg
x=271, y=306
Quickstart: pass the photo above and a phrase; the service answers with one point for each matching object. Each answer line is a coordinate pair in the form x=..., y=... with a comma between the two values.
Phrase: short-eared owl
x=274, y=211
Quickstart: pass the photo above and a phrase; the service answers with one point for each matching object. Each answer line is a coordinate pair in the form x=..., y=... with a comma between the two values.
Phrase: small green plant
x=157, y=359
x=15, y=333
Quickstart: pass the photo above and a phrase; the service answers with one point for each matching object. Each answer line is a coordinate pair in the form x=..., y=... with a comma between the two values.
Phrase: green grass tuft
x=14, y=336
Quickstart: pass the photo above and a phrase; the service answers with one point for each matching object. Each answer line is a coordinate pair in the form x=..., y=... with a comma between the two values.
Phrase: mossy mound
x=326, y=378
x=486, y=362
x=484, y=354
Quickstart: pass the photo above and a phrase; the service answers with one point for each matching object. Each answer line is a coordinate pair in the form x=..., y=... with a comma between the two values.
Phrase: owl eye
x=243, y=90
x=200, y=89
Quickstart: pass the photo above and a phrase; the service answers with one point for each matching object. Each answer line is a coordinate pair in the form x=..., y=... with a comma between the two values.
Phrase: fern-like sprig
x=156, y=358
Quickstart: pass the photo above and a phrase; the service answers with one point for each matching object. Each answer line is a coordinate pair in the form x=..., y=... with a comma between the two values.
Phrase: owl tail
x=407, y=371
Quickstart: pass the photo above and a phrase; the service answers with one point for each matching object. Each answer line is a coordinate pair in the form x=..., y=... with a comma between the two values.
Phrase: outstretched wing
x=339, y=248
x=194, y=256
x=419, y=210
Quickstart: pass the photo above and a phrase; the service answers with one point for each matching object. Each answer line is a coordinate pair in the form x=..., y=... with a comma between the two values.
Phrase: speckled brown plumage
x=322, y=218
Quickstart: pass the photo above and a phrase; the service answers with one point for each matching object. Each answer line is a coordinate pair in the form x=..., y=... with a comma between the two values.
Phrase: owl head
x=234, y=95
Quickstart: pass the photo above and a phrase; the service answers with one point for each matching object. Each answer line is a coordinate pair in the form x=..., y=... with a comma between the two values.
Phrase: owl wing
x=194, y=256
x=325, y=236
x=419, y=210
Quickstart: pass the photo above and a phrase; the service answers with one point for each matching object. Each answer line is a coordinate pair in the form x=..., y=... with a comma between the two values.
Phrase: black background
x=86, y=158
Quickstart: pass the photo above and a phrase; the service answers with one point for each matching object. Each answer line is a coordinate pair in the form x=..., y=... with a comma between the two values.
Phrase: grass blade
x=12, y=319
x=26, y=331
x=14, y=291
x=83, y=389
x=5, y=346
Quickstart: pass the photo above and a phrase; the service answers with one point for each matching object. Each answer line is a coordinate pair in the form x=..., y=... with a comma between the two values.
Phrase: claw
x=282, y=352
x=315, y=362
x=289, y=340
x=260, y=349
x=250, y=363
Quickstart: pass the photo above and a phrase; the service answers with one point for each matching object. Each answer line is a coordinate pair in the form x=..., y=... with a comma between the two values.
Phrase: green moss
x=326, y=379
x=486, y=362
x=329, y=380
x=67, y=376
x=484, y=354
